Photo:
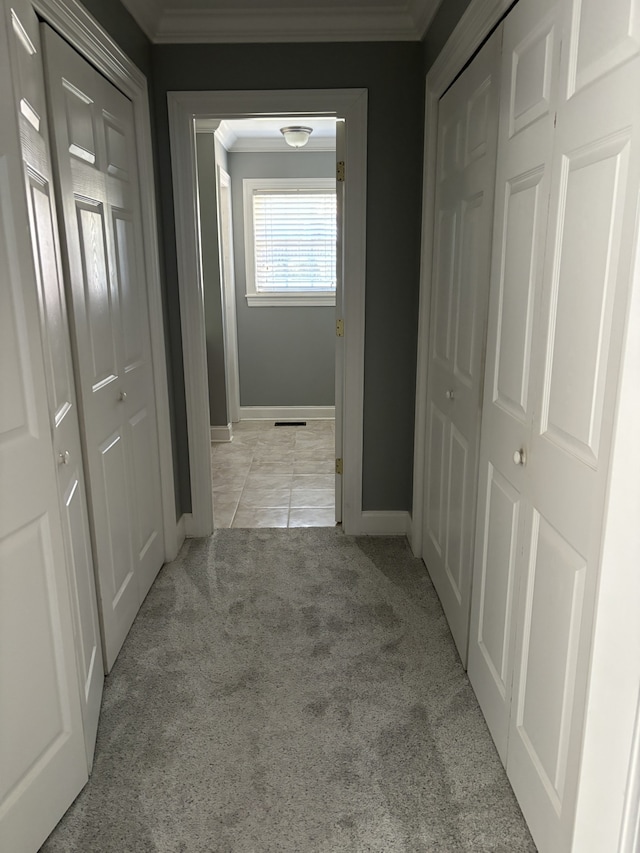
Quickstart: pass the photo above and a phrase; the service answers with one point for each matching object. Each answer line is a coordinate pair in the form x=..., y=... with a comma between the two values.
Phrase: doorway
x=268, y=226
x=184, y=110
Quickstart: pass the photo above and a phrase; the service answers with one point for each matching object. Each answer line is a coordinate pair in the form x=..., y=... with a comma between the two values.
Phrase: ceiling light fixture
x=296, y=137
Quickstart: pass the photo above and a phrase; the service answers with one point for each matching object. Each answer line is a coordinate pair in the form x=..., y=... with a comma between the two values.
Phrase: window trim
x=280, y=298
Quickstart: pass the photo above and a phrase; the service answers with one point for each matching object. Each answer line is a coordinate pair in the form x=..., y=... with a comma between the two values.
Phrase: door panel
x=519, y=268
x=567, y=189
x=457, y=525
x=465, y=365
x=603, y=38
x=590, y=242
x=77, y=531
x=528, y=98
x=436, y=458
x=463, y=218
x=63, y=412
x=444, y=283
x=580, y=310
x=554, y=597
x=42, y=749
x=494, y=597
x=97, y=172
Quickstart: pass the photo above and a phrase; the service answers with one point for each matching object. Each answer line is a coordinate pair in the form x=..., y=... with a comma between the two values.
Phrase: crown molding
x=423, y=12
x=284, y=25
x=400, y=21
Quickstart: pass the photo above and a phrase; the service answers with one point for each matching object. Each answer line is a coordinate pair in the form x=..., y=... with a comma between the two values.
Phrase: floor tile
x=226, y=500
x=313, y=466
x=253, y=479
x=223, y=518
x=261, y=517
x=257, y=479
x=222, y=483
x=277, y=466
x=312, y=517
x=313, y=481
x=312, y=497
x=277, y=497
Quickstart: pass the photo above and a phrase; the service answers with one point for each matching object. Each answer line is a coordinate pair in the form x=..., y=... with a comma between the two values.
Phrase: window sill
x=273, y=300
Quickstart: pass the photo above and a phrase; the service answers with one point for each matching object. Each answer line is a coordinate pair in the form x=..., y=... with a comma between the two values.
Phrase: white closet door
x=63, y=411
x=466, y=163
x=96, y=165
x=591, y=240
x=42, y=752
x=530, y=69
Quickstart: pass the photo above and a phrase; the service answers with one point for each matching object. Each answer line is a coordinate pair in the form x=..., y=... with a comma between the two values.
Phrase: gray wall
x=393, y=75
x=286, y=355
x=209, y=154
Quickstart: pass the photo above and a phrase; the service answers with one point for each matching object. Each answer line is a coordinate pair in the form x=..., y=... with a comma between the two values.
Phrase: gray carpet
x=292, y=690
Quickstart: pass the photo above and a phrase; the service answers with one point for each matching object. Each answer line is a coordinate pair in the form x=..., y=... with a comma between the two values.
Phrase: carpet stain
x=295, y=691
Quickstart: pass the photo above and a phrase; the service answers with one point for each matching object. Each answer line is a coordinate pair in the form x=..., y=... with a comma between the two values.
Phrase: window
x=290, y=241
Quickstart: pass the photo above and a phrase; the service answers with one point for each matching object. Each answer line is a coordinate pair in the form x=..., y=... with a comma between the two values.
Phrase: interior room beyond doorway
x=275, y=476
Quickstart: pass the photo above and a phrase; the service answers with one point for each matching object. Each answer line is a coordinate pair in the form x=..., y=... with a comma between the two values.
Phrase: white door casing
x=184, y=107
x=467, y=133
x=552, y=379
x=341, y=154
x=42, y=752
x=96, y=165
x=63, y=411
x=227, y=273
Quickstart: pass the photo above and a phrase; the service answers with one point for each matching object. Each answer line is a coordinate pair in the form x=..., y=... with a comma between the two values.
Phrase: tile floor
x=270, y=476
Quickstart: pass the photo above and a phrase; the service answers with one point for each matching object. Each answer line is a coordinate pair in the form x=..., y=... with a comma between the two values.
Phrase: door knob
x=122, y=396
x=520, y=457
x=63, y=458
x=450, y=394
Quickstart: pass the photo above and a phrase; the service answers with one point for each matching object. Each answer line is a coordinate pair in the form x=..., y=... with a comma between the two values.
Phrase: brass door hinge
x=338, y=466
x=340, y=328
x=340, y=171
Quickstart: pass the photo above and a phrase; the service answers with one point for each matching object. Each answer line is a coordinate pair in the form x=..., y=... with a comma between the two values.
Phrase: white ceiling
x=263, y=134
x=194, y=21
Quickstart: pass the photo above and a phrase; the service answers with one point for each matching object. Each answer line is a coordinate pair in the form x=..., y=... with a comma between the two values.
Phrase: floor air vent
x=290, y=423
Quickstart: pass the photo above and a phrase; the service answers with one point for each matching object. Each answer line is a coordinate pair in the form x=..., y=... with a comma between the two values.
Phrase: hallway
x=297, y=691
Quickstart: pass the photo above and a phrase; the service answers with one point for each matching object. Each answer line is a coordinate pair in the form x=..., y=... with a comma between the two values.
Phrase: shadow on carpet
x=292, y=690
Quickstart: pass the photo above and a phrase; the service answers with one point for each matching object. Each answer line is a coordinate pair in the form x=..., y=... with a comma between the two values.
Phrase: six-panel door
x=96, y=163
x=63, y=411
x=467, y=134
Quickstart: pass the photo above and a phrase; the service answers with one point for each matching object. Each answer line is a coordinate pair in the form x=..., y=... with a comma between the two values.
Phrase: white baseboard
x=286, y=413
x=381, y=523
x=221, y=433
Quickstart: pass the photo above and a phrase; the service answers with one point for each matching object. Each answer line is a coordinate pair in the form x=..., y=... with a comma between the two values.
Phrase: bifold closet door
x=531, y=54
x=95, y=161
x=63, y=411
x=556, y=324
x=466, y=163
x=42, y=752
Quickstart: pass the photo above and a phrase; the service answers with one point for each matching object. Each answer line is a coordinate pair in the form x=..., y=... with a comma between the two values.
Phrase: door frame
x=184, y=108
x=84, y=34
x=472, y=30
x=228, y=279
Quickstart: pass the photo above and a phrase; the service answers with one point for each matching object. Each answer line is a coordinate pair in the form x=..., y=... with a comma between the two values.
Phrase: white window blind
x=294, y=234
